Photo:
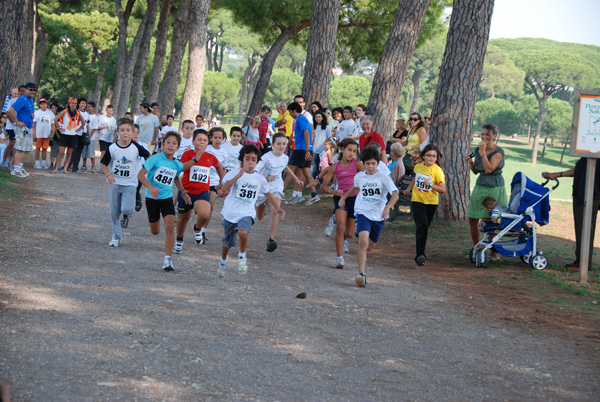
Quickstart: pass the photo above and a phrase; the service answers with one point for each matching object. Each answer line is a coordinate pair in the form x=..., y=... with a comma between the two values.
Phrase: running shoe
x=125, y=222
x=51, y=167
x=345, y=248
x=297, y=200
x=242, y=265
x=330, y=227
x=204, y=238
x=178, y=246
x=340, y=262
x=18, y=173
x=114, y=243
x=313, y=200
x=37, y=165
x=25, y=172
x=198, y=238
x=83, y=168
x=138, y=202
x=68, y=169
x=222, y=268
x=271, y=245
x=168, y=264
x=93, y=169
x=421, y=260
x=361, y=280
x=292, y=199
x=44, y=166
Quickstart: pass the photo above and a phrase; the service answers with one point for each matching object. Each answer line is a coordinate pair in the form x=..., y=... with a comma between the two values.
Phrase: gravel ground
x=80, y=321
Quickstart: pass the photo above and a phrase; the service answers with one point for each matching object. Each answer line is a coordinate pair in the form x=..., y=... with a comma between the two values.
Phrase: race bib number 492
x=165, y=176
x=246, y=191
x=199, y=174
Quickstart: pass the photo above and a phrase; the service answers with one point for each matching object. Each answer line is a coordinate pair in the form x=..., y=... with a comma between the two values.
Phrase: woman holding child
x=487, y=163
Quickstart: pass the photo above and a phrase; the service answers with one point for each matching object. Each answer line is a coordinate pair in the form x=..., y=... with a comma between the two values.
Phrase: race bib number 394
x=371, y=191
x=246, y=191
x=165, y=176
x=199, y=174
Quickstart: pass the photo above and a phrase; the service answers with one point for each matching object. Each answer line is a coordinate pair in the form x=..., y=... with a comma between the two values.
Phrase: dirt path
x=83, y=322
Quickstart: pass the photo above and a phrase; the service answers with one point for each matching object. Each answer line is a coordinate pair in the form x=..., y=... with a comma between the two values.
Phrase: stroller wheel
x=538, y=261
x=472, y=255
x=481, y=259
x=525, y=258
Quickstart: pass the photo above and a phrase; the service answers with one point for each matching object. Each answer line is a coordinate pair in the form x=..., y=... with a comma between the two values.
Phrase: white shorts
x=262, y=200
x=24, y=139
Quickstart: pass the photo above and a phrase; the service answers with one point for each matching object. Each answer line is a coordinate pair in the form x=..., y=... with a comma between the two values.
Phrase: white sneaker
x=198, y=238
x=313, y=200
x=292, y=199
x=114, y=243
x=18, y=173
x=331, y=225
x=168, y=264
x=345, y=248
x=37, y=165
x=178, y=246
x=25, y=172
x=222, y=268
x=297, y=200
x=44, y=166
x=340, y=262
x=242, y=265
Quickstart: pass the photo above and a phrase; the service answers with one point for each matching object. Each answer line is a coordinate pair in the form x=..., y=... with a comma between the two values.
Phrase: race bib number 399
x=246, y=191
x=165, y=176
x=199, y=174
x=420, y=180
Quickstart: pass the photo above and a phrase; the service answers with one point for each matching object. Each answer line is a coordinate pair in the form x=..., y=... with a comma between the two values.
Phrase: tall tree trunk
x=266, y=68
x=103, y=59
x=209, y=56
x=244, y=91
x=393, y=64
x=545, y=142
x=321, y=50
x=416, y=80
x=123, y=16
x=538, y=128
x=251, y=87
x=168, y=87
x=192, y=94
x=160, y=52
x=529, y=134
x=141, y=41
x=221, y=58
x=107, y=98
x=562, y=155
x=456, y=93
x=41, y=49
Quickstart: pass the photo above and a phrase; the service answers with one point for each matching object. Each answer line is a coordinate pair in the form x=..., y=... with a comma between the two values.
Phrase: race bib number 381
x=246, y=191
x=165, y=176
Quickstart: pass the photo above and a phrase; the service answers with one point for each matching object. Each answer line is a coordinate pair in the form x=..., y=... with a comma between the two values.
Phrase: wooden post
x=586, y=230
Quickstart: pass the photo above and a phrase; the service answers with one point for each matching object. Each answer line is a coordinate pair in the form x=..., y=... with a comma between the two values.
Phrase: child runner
x=187, y=132
x=345, y=170
x=89, y=151
x=429, y=181
x=196, y=194
x=216, y=136
x=370, y=208
x=158, y=175
x=233, y=148
x=107, y=130
x=241, y=187
x=165, y=129
x=43, y=123
x=271, y=165
x=120, y=165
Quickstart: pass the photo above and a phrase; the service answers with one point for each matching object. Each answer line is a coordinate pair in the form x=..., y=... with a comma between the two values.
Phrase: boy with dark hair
x=301, y=159
x=89, y=150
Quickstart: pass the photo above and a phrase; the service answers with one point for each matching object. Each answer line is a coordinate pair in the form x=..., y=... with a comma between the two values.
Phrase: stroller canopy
x=524, y=193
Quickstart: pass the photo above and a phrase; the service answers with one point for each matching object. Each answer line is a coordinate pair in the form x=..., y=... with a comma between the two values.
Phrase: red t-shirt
x=197, y=178
x=263, y=130
x=373, y=137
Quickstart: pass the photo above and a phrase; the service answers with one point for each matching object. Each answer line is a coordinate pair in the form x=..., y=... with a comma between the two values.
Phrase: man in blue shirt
x=21, y=115
x=302, y=156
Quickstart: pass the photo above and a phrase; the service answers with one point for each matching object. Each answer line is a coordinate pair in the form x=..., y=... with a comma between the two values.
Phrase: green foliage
x=283, y=86
x=528, y=108
x=500, y=75
x=221, y=90
x=78, y=6
x=559, y=119
x=500, y=112
x=349, y=91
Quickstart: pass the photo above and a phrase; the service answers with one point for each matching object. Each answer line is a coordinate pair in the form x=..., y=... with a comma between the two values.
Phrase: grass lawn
x=7, y=186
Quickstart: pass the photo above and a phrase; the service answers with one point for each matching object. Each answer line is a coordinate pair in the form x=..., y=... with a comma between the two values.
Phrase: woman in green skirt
x=487, y=164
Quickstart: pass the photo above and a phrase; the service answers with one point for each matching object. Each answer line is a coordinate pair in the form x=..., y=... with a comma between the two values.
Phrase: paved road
x=83, y=322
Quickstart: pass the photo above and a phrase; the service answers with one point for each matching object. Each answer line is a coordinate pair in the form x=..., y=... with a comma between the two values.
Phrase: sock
x=313, y=194
x=241, y=255
x=296, y=193
x=167, y=257
x=203, y=230
x=20, y=166
x=179, y=238
x=223, y=261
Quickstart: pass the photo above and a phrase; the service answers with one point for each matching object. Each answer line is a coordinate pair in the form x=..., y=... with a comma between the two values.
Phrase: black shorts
x=348, y=206
x=69, y=141
x=299, y=159
x=11, y=135
x=213, y=189
x=157, y=207
x=183, y=208
x=104, y=145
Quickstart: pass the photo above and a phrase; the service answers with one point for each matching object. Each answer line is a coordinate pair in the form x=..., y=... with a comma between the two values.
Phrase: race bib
x=371, y=191
x=165, y=176
x=44, y=120
x=122, y=168
x=420, y=180
x=247, y=192
x=199, y=174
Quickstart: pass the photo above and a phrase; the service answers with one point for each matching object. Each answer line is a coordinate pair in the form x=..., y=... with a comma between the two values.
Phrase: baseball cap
x=145, y=104
x=30, y=85
x=43, y=100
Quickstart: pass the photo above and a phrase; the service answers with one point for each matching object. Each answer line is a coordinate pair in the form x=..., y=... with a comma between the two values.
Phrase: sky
x=561, y=20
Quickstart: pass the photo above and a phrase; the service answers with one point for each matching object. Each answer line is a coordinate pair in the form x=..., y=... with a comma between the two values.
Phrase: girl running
x=232, y=148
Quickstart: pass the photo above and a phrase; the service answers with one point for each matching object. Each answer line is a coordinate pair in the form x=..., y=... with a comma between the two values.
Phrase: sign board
x=585, y=136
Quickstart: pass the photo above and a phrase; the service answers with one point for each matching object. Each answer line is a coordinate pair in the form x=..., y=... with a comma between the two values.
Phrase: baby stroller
x=508, y=234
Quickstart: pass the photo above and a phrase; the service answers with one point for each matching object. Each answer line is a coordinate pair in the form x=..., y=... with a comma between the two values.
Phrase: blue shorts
x=183, y=208
x=232, y=228
x=348, y=206
x=364, y=224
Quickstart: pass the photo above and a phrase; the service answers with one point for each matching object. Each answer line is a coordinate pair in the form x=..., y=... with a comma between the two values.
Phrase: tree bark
x=320, y=55
x=179, y=39
x=100, y=79
x=41, y=48
x=244, y=91
x=545, y=143
x=135, y=56
x=123, y=16
x=107, y=98
x=562, y=155
x=454, y=103
x=192, y=94
x=393, y=64
x=251, y=87
x=416, y=89
x=266, y=67
x=160, y=52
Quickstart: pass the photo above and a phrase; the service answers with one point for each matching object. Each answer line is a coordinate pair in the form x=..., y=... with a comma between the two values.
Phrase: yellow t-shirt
x=422, y=193
x=288, y=123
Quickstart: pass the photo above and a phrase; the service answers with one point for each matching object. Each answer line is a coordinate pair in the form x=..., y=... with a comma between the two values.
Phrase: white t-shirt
x=251, y=133
x=43, y=123
x=382, y=167
x=232, y=161
x=308, y=116
x=221, y=155
x=271, y=165
x=372, y=194
x=186, y=144
x=123, y=164
x=9, y=124
x=164, y=131
x=241, y=200
x=320, y=137
x=345, y=129
x=107, y=134
x=93, y=126
x=85, y=116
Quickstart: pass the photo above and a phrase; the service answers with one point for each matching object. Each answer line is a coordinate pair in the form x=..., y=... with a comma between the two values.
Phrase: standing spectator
x=155, y=109
x=199, y=122
x=85, y=117
x=338, y=116
x=416, y=135
x=43, y=124
x=399, y=136
x=284, y=119
x=346, y=127
x=361, y=111
x=89, y=151
x=263, y=129
x=315, y=107
x=148, y=124
x=10, y=128
x=107, y=130
x=369, y=136
x=163, y=121
x=579, y=173
x=70, y=123
x=21, y=115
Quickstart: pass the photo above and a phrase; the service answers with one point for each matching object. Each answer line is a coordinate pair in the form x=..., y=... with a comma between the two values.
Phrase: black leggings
x=423, y=215
x=76, y=154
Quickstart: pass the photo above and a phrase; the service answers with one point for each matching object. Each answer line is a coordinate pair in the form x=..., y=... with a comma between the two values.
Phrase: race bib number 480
x=247, y=192
x=165, y=176
x=199, y=174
